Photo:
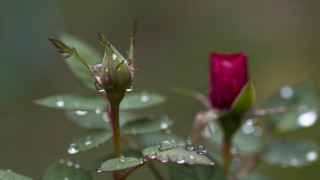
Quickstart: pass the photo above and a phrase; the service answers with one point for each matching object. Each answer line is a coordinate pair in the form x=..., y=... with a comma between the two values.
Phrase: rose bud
x=228, y=76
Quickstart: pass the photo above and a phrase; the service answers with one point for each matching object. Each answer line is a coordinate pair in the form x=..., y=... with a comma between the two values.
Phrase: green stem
x=226, y=153
x=114, y=116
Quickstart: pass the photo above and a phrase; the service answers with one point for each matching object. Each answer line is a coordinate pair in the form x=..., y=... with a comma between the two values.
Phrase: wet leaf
x=120, y=163
x=304, y=96
x=146, y=125
x=141, y=100
x=247, y=139
x=155, y=138
x=9, y=175
x=73, y=101
x=66, y=170
x=290, y=152
x=98, y=118
x=178, y=154
x=90, y=139
x=86, y=51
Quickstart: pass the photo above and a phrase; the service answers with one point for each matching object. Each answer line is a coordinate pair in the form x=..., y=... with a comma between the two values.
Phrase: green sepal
x=244, y=100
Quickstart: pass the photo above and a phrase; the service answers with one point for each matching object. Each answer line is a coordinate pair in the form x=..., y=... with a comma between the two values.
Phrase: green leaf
x=120, y=163
x=76, y=66
x=155, y=138
x=290, y=152
x=247, y=139
x=170, y=152
x=95, y=165
x=98, y=118
x=141, y=100
x=90, y=139
x=72, y=101
x=198, y=172
x=244, y=100
x=132, y=39
x=255, y=177
x=66, y=170
x=146, y=125
x=302, y=95
x=9, y=175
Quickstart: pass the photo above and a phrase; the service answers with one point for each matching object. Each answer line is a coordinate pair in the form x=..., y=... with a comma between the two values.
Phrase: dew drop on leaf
x=190, y=146
x=152, y=155
x=122, y=159
x=73, y=148
x=201, y=149
x=165, y=145
x=181, y=160
x=165, y=158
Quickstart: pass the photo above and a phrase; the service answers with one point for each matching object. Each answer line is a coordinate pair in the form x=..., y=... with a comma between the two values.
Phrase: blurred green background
x=174, y=40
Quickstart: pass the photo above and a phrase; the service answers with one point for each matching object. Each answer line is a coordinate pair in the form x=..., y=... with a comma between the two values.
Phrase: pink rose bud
x=228, y=75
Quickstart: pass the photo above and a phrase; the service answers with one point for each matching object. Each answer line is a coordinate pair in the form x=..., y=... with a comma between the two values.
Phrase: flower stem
x=114, y=116
x=226, y=153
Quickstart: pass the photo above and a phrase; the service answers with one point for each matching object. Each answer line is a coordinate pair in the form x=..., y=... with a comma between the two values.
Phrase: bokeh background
x=174, y=40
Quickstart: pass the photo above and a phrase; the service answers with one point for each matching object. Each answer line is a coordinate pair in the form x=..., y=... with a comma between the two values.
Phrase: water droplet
x=311, y=155
x=294, y=162
x=9, y=170
x=69, y=163
x=98, y=111
x=191, y=160
x=122, y=159
x=165, y=158
x=77, y=166
x=66, y=178
x=189, y=146
x=98, y=86
x=165, y=145
x=152, y=155
x=181, y=160
x=105, y=117
x=164, y=125
x=99, y=170
x=145, y=159
x=307, y=119
x=144, y=98
x=212, y=163
x=118, y=167
x=114, y=56
x=248, y=128
x=73, y=148
x=286, y=92
x=60, y=103
x=201, y=149
x=88, y=141
x=61, y=161
x=81, y=113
